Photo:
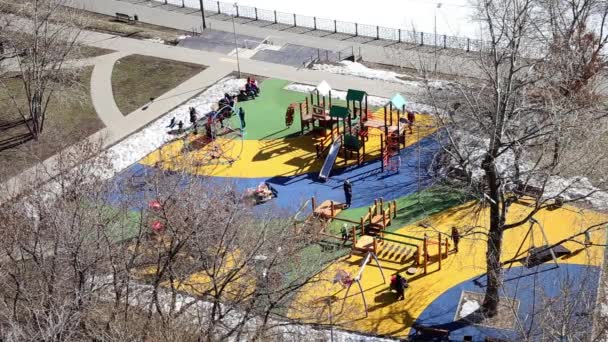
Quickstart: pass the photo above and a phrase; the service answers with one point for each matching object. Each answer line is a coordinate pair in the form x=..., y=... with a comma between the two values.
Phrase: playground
x=292, y=150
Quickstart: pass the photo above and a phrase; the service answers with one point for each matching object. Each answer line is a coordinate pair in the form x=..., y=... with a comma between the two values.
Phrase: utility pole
x=236, y=44
x=203, y=13
x=438, y=6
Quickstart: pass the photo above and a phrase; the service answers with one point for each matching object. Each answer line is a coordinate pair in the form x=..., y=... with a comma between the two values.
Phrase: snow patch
x=567, y=188
x=360, y=70
x=155, y=40
x=469, y=307
x=373, y=101
x=152, y=137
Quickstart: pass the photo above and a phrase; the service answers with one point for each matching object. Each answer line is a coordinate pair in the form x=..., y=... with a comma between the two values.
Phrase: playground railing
x=374, y=32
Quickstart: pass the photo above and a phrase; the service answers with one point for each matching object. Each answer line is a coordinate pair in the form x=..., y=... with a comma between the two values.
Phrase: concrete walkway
x=102, y=95
x=455, y=62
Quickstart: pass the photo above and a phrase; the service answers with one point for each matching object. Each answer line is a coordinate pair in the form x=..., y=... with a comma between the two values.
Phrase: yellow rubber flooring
x=390, y=317
x=266, y=158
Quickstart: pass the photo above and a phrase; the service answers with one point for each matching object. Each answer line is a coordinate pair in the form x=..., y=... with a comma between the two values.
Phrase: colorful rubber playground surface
x=270, y=152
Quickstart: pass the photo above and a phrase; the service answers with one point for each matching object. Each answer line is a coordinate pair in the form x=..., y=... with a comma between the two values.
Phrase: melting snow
x=469, y=307
x=374, y=101
x=138, y=145
x=360, y=70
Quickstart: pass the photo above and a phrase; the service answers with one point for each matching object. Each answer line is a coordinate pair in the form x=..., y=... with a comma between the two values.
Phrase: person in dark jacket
x=399, y=284
x=348, y=192
x=242, y=116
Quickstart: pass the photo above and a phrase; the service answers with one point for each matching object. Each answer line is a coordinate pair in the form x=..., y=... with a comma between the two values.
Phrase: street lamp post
x=236, y=44
x=438, y=6
x=203, y=13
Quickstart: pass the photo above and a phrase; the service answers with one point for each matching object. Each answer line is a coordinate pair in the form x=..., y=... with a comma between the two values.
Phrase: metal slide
x=330, y=160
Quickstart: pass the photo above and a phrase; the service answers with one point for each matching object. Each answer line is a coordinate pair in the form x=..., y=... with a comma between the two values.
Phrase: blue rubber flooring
x=569, y=291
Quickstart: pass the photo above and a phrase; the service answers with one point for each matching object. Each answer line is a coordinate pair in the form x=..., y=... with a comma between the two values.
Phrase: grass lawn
x=137, y=78
x=86, y=51
x=70, y=118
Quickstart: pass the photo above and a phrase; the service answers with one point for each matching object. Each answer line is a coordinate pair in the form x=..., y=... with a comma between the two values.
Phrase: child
x=249, y=90
x=344, y=233
x=172, y=123
x=399, y=284
x=455, y=238
x=192, y=115
x=254, y=85
x=411, y=117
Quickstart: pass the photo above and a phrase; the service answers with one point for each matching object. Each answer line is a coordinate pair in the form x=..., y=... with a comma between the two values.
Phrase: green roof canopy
x=338, y=112
x=355, y=95
x=398, y=101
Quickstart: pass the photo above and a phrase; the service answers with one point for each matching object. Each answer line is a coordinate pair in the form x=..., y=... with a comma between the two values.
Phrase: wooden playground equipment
x=351, y=125
x=327, y=210
x=415, y=248
x=378, y=217
x=316, y=110
x=370, y=234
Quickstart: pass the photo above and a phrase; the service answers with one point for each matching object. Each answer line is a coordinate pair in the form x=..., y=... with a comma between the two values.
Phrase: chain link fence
x=332, y=26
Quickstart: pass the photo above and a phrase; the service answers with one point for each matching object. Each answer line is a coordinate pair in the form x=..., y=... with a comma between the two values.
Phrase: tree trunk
x=494, y=244
x=494, y=270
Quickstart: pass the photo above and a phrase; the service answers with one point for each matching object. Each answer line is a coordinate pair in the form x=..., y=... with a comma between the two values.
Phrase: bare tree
x=43, y=35
x=524, y=127
x=175, y=258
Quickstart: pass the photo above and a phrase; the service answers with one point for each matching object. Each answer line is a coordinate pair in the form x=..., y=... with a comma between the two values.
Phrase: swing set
x=347, y=281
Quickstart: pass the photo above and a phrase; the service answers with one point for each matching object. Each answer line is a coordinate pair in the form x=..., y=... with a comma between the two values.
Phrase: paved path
x=102, y=95
x=448, y=61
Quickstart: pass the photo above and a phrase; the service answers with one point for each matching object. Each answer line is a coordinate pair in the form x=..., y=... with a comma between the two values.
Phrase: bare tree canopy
x=534, y=124
x=39, y=39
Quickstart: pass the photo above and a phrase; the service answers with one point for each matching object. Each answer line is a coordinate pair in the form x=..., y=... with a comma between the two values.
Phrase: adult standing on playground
x=411, y=117
x=348, y=192
x=455, y=238
x=242, y=116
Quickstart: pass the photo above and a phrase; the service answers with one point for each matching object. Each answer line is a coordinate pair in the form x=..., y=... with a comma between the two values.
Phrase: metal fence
x=332, y=26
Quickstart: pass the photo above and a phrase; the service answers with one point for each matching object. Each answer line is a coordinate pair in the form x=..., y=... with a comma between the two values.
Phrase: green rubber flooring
x=265, y=116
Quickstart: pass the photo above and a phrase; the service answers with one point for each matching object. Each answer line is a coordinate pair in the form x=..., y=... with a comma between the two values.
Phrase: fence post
x=422, y=38
x=356, y=29
x=399, y=35
x=335, y=26
x=219, y=9
x=256, y=13
x=444, y=42
x=275, y=16
x=295, y=23
x=378, y=32
x=468, y=45
x=315, y=22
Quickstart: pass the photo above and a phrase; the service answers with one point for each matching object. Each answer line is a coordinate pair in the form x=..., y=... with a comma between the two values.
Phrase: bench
x=125, y=18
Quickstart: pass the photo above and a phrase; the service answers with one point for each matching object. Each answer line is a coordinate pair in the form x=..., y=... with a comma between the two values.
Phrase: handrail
x=404, y=236
x=397, y=241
